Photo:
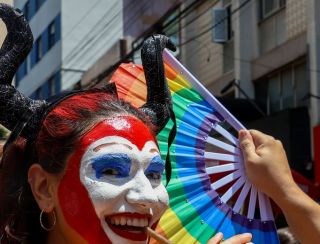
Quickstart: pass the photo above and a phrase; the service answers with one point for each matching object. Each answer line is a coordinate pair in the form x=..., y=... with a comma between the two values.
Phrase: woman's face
x=118, y=190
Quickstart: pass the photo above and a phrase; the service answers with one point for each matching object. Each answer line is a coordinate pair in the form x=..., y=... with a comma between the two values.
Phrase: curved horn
x=17, y=44
x=158, y=94
x=16, y=110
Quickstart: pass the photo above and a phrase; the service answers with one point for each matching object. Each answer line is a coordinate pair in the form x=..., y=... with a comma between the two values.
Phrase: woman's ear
x=43, y=187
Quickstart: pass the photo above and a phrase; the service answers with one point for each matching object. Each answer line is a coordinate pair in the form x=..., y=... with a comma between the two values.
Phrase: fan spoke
x=225, y=180
x=223, y=145
x=242, y=197
x=233, y=189
x=225, y=134
x=262, y=206
x=221, y=157
x=222, y=168
x=269, y=209
x=252, y=202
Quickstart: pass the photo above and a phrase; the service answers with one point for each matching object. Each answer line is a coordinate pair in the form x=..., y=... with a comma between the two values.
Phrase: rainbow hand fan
x=208, y=191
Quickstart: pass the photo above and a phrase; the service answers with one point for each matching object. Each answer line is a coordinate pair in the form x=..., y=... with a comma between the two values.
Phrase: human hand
x=266, y=163
x=237, y=239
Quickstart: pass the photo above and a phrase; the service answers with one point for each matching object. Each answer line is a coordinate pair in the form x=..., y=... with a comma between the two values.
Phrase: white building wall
x=89, y=29
x=51, y=61
x=45, y=15
x=42, y=71
x=296, y=17
x=246, y=43
x=201, y=56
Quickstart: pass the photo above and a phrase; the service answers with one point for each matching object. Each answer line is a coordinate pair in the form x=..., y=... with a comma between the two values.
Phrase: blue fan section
x=190, y=145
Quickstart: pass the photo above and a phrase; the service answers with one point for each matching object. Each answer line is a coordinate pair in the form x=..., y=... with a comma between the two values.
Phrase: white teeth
x=135, y=222
x=141, y=222
x=129, y=221
x=117, y=221
x=123, y=221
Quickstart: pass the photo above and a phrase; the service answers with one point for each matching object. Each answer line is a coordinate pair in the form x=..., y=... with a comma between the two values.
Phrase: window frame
x=279, y=75
x=39, y=51
x=280, y=4
x=51, y=35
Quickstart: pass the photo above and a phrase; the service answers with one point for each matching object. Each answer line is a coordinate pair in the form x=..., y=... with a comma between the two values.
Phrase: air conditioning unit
x=220, y=30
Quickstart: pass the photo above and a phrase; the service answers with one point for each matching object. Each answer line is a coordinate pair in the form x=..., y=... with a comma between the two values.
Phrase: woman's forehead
x=125, y=126
x=112, y=143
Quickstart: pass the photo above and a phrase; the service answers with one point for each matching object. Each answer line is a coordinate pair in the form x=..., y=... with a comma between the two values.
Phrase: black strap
x=171, y=138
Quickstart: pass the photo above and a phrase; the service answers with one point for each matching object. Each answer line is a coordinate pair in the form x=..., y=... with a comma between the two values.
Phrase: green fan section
x=178, y=203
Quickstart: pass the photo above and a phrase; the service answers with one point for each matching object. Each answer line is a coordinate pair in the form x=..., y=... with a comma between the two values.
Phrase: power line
x=216, y=24
x=87, y=39
x=98, y=38
x=182, y=14
x=95, y=33
x=94, y=5
x=106, y=72
x=209, y=29
x=113, y=67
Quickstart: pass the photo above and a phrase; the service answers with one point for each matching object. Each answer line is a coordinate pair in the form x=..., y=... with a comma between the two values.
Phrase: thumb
x=239, y=239
x=216, y=239
x=246, y=144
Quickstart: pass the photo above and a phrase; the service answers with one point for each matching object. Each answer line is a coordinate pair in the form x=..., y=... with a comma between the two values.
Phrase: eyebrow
x=118, y=161
x=156, y=165
x=153, y=150
x=96, y=149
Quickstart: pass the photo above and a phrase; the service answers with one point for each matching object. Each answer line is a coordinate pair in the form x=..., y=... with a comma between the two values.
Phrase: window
x=285, y=89
x=272, y=27
x=51, y=86
x=39, y=94
x=38, y=4
x=274, y=94
x=26, y=10
x=39, y=49
x=51, y=35
x=228, y=47
x=268, y=7
x=221, y=18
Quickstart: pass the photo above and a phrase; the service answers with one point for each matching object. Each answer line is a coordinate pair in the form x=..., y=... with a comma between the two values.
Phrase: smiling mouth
x=129, y=225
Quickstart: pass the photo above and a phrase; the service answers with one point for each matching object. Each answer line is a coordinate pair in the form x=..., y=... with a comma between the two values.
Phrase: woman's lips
x=129, y=225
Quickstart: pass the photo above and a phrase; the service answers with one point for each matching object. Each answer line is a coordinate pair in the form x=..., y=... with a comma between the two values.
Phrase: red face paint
x=74, y=200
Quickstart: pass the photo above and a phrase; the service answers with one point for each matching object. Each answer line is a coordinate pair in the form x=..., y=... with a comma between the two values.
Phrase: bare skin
x=267, y=168
x=237, y=239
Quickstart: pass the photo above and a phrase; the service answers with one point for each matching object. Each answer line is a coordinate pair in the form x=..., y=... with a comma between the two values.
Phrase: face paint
x=112, y=186
x=112, y=164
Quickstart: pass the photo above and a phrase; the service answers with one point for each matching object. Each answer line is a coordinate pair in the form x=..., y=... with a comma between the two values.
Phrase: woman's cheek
x=162, y=196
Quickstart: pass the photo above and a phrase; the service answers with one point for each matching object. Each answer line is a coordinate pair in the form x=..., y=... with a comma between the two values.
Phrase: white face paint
x=124, y=184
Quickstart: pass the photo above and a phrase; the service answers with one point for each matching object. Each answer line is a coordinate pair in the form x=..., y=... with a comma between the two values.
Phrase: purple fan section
x=226, y=209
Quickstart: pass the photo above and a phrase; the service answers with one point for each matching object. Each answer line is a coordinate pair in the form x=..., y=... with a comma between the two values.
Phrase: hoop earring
x=54, y=221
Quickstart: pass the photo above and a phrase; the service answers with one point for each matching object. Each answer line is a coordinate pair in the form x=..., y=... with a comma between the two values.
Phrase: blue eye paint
x=156, y=166
x=117, y=164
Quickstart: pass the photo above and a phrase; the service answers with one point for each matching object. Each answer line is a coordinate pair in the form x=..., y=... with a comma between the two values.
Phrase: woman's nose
x=141, y=192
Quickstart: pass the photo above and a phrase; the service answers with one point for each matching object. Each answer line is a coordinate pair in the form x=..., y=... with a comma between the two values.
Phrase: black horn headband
x=24, y=116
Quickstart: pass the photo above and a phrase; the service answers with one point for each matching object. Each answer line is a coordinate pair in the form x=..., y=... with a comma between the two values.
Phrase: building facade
x=69, y=37
x=257, y=56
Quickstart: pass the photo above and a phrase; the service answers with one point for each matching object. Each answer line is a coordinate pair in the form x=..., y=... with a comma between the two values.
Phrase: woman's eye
x=154, y=176
x=110, y=172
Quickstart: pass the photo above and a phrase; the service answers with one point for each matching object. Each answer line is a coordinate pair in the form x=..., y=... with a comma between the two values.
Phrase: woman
x=86, y=167
x=87, y=164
